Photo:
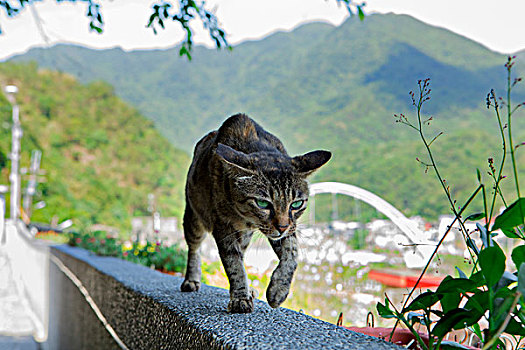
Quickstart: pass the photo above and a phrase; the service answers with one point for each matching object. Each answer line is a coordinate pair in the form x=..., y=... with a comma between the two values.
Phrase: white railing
x=29, y=262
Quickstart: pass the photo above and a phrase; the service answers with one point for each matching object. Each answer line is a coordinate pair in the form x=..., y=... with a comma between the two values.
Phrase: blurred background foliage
x=101, y=157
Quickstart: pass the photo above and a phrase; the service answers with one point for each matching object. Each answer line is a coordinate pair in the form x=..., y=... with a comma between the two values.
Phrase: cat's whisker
x=256, y=240
x=228, y=236
x=237, y=239
x=301, y=246
x=260, y=241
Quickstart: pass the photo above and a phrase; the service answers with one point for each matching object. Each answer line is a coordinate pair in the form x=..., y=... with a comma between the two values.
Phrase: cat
x=241, y=180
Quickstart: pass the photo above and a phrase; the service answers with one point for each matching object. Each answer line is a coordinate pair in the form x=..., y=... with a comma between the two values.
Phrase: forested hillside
x=327, y=87
x=101, y=157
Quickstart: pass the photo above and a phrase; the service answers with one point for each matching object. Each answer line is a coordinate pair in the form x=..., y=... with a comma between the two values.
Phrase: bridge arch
x=408, y=227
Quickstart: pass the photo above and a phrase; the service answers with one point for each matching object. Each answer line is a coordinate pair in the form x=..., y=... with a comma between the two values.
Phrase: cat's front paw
x=276, y=294
x=241, y=305
x=190, y=286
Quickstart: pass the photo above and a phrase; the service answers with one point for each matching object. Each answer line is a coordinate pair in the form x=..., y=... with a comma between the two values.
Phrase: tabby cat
x=242, y=180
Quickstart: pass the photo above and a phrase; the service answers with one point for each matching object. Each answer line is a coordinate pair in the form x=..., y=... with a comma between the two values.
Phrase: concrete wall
x=147, y=311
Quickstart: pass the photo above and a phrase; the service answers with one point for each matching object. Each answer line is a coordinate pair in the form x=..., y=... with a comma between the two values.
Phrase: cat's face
x=270, y=201
x=269, y=190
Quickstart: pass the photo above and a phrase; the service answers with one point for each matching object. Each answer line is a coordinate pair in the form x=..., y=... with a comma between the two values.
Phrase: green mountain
x=101, y=157
x=327, y=87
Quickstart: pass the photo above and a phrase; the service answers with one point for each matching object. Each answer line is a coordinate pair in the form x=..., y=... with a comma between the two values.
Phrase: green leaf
x=94, y=27
x=450, y=301
x=461, y=273
x=472, y=245
x=503, y=293
x=507, y=279
x=510, y=232
x=518, y=255
x=185, y=52
x=438, y=313
x=384, y=311
x=478, y=174
x=501, y=310
x=492, y=263
x=152, y=19
x=450, y=320
x=479, y=302
x=477, y=330
x=515, y=327
x=475, y=217
x=423, y=301
x=478, y=279
x=414, y=317
x=521, y=279
x=485, y=238
x=455, y=285
x=512, y=216
x=360, y=13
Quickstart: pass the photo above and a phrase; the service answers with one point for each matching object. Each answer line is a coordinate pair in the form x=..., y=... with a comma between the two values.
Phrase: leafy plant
x=167, y=258
x=489, y=292
x=99, y=242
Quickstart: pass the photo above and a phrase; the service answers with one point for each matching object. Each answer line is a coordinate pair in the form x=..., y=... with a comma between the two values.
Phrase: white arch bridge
x=409, y=228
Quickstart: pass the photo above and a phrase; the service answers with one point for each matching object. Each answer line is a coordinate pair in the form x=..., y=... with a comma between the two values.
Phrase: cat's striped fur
x=242, y=180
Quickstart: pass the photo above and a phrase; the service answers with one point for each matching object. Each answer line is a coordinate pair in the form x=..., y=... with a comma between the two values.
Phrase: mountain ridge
x=319, y=86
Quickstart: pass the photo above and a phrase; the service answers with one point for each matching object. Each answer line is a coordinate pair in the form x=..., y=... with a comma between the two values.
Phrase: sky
x=498, y=25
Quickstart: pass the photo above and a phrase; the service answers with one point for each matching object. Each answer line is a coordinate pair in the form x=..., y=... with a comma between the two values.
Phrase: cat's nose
x=281, y=228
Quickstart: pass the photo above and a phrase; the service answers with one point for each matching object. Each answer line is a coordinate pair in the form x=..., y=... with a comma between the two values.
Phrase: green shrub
x=151, y=254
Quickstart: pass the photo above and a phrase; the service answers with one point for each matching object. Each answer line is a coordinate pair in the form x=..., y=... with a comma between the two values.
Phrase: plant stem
x=423, y=96
x=509, y=119
x=400, y=316
x=501, y=329
x=472, y=196
x=504, y=156
x=509, y=125
x=490, y=310
x=428, y=322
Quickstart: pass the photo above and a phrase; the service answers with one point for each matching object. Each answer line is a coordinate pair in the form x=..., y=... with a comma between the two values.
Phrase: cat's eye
x=261, y=203
x=297, y=204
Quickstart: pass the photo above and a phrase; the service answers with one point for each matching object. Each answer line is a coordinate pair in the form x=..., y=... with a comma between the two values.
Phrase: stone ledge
x=148, y=311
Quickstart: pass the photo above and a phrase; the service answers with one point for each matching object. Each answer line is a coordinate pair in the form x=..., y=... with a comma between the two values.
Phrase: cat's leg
x=231, y=250
x=194, y=234
x=286, y=250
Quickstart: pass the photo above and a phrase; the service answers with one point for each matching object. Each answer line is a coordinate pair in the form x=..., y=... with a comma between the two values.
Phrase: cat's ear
x=234, y=159
x=311, y=161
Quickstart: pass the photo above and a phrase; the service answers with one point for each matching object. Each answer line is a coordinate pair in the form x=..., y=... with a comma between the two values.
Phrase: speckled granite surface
x=148, y=311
